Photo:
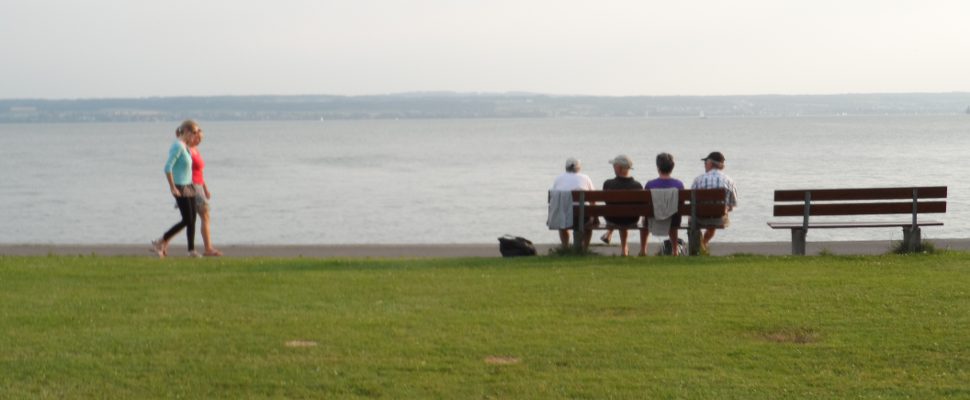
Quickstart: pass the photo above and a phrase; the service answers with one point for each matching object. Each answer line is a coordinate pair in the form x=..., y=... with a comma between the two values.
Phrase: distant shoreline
x=446, y=105
x=448, y=250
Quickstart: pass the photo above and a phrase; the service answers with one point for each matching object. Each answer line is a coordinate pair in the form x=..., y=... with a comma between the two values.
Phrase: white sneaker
x=194, y=254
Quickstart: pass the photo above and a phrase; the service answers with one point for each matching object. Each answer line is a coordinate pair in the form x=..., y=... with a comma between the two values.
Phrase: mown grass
x=743, y=327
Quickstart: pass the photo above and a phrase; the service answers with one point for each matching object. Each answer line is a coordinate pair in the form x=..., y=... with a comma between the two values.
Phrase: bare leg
x=210, y=250
x=564, y=238
x=586, y=240
x=644, y=235
x=708, y=235
x=204, y=215
x=623, y=237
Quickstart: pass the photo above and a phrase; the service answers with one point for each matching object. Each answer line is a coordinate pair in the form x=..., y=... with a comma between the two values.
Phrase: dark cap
x=714, y=156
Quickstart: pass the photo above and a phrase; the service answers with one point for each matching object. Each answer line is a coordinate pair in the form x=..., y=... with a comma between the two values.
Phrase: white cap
x=573, y=164
x=623, y=161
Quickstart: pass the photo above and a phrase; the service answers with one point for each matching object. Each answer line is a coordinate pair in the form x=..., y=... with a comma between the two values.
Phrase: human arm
x=171, y=185
x=174, y=153
x=205, y=189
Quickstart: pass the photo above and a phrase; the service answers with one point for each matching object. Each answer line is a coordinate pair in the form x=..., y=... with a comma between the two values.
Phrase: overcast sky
x=124, y=48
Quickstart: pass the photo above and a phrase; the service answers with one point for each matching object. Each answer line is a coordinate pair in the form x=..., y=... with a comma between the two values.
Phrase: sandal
x=212, y=253
x=158, y=247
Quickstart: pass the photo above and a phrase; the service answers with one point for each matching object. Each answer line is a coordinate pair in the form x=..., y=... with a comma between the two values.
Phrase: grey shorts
x=724, y=222
x=201, y=203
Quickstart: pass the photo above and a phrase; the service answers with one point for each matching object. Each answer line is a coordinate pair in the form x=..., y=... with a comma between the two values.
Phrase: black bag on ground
x=514, y=246
x=667, y=249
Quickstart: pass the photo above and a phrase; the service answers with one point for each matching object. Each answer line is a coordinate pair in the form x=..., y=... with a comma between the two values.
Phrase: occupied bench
x=808, y=203
x=692, y=204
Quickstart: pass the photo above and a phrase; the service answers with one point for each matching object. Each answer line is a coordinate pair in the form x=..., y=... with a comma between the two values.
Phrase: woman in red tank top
x=202, y=195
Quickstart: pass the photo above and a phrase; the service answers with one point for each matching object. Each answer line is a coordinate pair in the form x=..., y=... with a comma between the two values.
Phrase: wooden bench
x=692, y=204
x=808, y=203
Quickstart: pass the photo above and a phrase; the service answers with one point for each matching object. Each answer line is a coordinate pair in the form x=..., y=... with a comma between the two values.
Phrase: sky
x=64, y=49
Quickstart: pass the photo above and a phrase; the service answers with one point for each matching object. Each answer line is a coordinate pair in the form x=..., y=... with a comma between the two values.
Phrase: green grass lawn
x=744, y=327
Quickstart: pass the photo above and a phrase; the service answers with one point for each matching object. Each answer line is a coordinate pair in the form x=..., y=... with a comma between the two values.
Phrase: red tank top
x=197, y=166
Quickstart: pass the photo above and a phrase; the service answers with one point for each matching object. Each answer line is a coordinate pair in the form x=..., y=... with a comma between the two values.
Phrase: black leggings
x=187, y=209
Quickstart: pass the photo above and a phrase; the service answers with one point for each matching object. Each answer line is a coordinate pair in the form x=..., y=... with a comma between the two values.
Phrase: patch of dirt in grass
x=790, y=335
x=301, y=343
x=616, y=313
x=501, y=360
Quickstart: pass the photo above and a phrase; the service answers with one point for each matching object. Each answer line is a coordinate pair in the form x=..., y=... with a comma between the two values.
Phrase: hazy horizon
x=431, y=93
x=59, y=49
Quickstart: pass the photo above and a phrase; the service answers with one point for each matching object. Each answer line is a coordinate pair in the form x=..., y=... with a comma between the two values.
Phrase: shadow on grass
x=924, y=247
x=570, y=251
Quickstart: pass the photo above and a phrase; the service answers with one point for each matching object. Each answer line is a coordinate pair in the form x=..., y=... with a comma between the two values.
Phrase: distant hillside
x=464, y=105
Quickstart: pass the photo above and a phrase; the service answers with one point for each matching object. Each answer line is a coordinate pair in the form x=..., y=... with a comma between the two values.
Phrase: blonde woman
x=202, y=195
x=178, y=173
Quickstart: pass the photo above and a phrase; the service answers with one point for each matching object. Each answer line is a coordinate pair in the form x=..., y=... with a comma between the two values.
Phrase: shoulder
x=178, y=148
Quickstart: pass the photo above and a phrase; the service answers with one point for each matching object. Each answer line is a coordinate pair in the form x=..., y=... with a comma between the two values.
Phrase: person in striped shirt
x=714, y=178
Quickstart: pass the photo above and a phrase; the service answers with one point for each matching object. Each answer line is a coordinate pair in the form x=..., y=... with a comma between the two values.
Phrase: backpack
x=514, y=246
x=667, y=249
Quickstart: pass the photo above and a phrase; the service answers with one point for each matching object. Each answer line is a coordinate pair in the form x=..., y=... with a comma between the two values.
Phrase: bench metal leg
x=693, y=241
x=578, y=239
x=798, y=242
x=912, y=237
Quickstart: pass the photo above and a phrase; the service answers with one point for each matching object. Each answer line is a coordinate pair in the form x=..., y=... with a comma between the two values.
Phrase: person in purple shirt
x=665, y=166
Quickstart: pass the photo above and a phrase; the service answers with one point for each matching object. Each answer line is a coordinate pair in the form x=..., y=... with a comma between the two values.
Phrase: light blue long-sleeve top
x=179, y=163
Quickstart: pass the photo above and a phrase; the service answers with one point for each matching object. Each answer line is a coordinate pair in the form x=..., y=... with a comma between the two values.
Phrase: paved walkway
x=451, y=250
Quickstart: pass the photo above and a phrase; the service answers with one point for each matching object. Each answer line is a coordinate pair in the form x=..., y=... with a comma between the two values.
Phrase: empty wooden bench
x=692, y=204
x=809, y=203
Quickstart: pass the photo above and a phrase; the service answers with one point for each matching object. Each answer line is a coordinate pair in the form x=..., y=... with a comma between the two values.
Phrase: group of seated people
x=713, y=177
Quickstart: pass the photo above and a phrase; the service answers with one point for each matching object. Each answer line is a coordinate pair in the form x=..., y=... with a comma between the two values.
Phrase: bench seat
x=601, y=226
x=852, y=224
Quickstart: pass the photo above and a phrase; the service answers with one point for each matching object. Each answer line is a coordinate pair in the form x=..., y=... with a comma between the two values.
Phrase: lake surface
x=446, y=181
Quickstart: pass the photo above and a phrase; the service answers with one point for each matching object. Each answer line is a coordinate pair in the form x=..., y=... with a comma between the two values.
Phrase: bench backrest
x=862, y=201
x=701, y=203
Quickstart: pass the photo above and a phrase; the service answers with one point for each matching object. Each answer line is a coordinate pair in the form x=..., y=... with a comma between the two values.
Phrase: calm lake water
x=445, y=181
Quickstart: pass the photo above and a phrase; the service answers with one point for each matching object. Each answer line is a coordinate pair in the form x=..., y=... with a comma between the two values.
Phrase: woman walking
x=202, y=195
x=178, y=172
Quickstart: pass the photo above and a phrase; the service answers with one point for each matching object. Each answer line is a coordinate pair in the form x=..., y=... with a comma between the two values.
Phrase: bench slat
x=644, y=195
x=852, y=224
x=706, y=195
x=639, y=196
x=797, y=210
x=599, y=226
x=927, y=192
x=622, y=210
x=616, y=210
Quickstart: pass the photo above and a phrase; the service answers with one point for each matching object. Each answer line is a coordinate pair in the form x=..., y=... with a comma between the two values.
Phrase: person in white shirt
x=714, y=178
x=569, y=181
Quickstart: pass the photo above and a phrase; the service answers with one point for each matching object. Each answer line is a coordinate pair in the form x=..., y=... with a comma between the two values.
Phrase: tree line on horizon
x=437, y=105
